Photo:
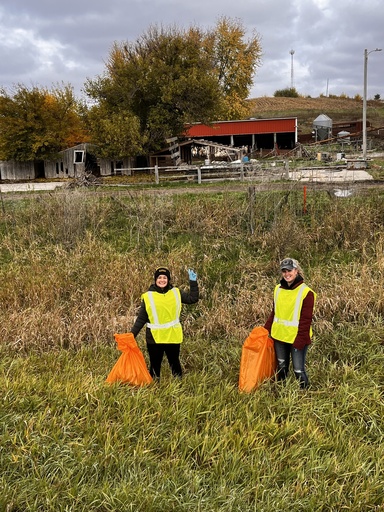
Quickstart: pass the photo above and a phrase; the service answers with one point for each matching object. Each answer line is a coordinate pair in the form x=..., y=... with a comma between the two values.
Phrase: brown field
x=268, y=104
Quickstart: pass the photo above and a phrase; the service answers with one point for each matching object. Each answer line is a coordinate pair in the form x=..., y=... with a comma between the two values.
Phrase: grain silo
x=322, y=127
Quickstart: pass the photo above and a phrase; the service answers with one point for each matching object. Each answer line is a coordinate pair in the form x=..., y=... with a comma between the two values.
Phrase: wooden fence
x=216, y=172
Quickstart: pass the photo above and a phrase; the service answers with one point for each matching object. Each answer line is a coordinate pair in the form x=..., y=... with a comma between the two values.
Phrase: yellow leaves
x=236, y=62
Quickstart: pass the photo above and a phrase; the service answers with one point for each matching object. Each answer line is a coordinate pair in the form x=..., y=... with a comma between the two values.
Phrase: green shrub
x=289, y=92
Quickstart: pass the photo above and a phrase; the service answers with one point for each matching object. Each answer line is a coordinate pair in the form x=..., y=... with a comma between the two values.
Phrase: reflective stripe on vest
x=157, y=324
x=285, y=324
x=169, y=331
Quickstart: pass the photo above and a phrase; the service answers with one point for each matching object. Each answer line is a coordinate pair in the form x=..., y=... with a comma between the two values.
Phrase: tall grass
x=73, y=267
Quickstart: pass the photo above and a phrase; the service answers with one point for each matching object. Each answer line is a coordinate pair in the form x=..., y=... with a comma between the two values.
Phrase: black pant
x=156, y=352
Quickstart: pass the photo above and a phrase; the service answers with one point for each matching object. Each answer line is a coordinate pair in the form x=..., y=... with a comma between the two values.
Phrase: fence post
x=252, y=200
x=286, y=165
x=157, y=174
x=199, y=175
x=241, y=171
x=305, y=199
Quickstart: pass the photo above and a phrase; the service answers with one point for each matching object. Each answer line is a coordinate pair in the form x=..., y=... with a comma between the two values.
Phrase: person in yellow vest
x=160, y=311
x=290, y=321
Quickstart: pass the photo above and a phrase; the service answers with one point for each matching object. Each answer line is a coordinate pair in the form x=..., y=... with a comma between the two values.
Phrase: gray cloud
x=44, y=43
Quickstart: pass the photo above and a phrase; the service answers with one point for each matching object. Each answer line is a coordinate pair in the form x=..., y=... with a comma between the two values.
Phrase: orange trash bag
x=258, y=359
x=130, y=368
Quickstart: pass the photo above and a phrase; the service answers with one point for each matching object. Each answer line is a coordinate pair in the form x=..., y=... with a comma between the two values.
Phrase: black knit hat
x=162, y=271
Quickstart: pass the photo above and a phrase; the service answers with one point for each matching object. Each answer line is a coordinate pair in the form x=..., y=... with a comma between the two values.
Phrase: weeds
x=73, y=268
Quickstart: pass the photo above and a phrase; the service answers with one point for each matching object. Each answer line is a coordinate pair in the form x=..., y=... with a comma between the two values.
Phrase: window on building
x=78, y=157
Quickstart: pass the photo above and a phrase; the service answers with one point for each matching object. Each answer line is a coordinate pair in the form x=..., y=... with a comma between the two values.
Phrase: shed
x=188, y=149
x=13, y=170
x=74, y=161
x=254, y=133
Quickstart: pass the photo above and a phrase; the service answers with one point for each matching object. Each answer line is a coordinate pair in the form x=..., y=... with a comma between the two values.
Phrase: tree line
x=151, y=88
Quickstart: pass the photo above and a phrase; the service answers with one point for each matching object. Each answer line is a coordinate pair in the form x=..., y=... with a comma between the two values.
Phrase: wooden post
x=252, y=199
x=305, y=199
x=2, y=201
x=199, y=175
x=157, y=179
x=286, y=165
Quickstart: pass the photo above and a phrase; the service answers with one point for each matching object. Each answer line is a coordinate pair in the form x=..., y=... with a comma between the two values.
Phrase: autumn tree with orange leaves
x=37, y=123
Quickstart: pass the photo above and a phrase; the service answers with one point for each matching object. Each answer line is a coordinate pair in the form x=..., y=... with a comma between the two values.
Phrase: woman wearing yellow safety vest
x=290, y=322
x=160, y=310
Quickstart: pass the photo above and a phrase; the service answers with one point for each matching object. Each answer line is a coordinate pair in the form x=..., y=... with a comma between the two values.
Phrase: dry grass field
x=270, y=104
x=73, y=265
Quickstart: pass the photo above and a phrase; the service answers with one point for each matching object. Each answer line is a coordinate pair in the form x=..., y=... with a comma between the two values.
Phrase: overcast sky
x=46, y=42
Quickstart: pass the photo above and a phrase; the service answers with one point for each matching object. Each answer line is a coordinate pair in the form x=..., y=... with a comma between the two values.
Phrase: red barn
x=246, y=137
x=257, y=134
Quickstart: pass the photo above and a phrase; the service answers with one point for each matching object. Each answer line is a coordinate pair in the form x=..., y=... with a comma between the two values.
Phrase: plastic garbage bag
x=258, y=359
x=131, y=367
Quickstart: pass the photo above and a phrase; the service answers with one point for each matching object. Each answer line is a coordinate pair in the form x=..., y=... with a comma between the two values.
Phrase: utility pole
x=366, y=53
x=292, y=82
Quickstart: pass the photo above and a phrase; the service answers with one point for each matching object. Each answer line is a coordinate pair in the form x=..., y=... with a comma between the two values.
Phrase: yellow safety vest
x=164, y=315
x=288, y=305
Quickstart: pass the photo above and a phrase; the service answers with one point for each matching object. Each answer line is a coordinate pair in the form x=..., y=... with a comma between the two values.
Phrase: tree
x=116, y=134
x=161, y=81
x=170, y=77
x=236, y=61
x=289, y=92
x=36, y=124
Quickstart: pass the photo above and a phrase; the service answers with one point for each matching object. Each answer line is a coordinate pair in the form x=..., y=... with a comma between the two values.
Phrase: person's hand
x=192, y=275
x=299, y=344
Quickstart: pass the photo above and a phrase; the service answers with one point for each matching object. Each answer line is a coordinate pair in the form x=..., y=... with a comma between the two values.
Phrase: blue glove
x=192, y=275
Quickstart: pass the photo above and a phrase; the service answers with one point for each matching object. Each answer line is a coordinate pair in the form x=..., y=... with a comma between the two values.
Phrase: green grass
x=73, y=443
x=73, y=266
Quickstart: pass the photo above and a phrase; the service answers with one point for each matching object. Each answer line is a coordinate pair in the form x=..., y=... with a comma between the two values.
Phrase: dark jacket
x=190, y=297
x=303, y=338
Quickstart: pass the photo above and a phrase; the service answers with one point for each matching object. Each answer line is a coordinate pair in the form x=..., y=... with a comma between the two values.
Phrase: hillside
x=268, y=104
x=307, y=109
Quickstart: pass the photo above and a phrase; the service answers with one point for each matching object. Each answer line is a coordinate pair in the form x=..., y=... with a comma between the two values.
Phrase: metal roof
x=244, y=127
